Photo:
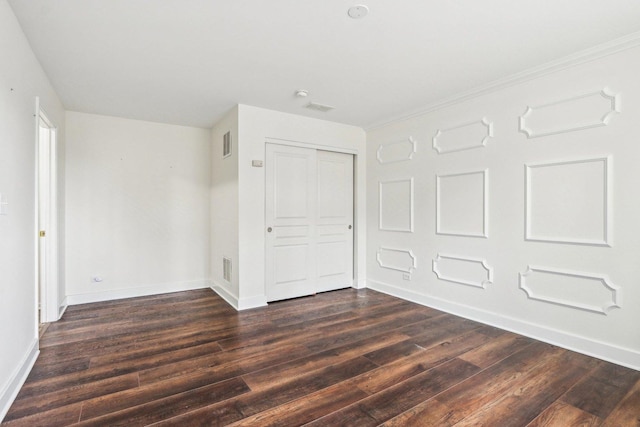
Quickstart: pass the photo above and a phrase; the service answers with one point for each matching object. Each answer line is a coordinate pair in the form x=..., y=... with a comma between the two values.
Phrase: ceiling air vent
x=319, y=107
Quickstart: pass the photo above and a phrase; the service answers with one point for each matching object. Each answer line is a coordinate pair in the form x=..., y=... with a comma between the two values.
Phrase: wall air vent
x=319, y=107
x=226, y=144
x=226, y=269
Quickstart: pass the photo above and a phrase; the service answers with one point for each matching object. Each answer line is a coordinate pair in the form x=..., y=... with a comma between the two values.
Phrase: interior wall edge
x=224, y=293
x=10, y=390
x=610, y=353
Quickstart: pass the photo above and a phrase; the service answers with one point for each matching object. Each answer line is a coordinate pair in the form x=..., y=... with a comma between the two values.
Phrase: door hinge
x=43, y=233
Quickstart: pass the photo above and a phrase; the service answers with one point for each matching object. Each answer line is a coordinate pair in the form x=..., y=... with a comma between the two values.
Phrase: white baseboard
x=252, y=302
x=235, y=302
x=222, y=291
x=360, y=284
x=611, y=353
x=162, y=288
x=17, y=379
x=63, y=307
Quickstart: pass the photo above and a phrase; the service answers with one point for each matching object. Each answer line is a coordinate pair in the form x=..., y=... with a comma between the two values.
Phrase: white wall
x=579, y=266
x=224, y=206
x=256, y=126
x=138, y=211
x=21, y=80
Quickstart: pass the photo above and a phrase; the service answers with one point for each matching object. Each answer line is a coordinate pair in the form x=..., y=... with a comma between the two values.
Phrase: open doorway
x=47, y=219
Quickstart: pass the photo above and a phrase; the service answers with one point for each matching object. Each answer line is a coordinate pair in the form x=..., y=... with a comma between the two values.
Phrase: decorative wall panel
x=568, y=202
x=462, y=204
x=466, y=271
x=463, y=137
x=396, y=205
x=583, y=291
x=399, y=151
x=584, y=111
x=396, y=259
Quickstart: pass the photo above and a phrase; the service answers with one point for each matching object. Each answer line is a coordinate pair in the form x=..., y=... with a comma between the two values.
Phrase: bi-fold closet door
x=309, y=219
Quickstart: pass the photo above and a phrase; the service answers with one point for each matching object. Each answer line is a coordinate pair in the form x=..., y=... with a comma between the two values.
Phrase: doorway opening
x=47, y=220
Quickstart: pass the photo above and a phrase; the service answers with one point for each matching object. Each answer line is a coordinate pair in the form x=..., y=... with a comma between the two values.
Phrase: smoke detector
x=302, y=93
x=358, y=11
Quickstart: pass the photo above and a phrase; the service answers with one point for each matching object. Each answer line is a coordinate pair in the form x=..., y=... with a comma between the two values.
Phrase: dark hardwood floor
x=344, y=358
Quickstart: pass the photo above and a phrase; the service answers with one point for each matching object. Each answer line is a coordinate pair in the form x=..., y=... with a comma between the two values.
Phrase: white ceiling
x=188, y=62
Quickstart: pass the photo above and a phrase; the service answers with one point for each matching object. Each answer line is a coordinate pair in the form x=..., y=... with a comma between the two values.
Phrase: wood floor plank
x=627, y=412
x=561, y=414
x=348, y=357
x=172, y=406
x=397, y=399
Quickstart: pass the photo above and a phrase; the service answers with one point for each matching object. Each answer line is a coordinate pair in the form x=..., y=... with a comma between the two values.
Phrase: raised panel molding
x=398, y=151
x=583, y=297
x=395, y=214
x=396, y=259
x=463, y=137
x=460, y=209
x=592, y=189
x=566, y=115
x=441, y=273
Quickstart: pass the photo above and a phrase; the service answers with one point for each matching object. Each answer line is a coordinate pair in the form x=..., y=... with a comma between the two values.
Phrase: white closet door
x=290, y=217
x=334, y=221
x=309, y=218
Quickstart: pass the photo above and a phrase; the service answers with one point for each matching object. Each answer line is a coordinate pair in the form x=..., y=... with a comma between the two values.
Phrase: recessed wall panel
x=463, y=137
x=583, y=111
x=462, y=204
x=568, y=202
x=397, y=151
x=583, y=291
x=396, y=205
x=396, y=259
x=463, y=270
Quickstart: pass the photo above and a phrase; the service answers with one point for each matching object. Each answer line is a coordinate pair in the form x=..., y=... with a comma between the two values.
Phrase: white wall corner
x=12, y=387
x=224, y=293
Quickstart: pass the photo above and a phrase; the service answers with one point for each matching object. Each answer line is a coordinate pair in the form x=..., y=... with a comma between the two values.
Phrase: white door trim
x=49, y=304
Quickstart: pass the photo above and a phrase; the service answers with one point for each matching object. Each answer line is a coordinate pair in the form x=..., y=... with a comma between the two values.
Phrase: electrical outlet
x=406, y=276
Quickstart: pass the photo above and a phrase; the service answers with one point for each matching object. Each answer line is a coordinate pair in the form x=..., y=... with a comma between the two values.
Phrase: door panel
x=334, y=221
x=309, y=212
x=290, y=214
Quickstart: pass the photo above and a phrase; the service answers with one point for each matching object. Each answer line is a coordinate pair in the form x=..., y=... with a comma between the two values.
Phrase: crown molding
x=591, y=54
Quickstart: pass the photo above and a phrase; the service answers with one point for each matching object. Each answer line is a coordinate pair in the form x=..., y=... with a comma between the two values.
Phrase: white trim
x=238, y=303
x=222, y=291
x=609, y=352
x=49, y=293
x=411, y=191
x=292, y=143
x=252, y=302
x=607, y=226
x=18, y=377
x=616, y=292
x=485, y=205
x=603, y=120
x=381, y=147
x=141, y=291
x=483, y=142
x=409, y=252
x=479, y=284
x=62, y=308
x=594, y=53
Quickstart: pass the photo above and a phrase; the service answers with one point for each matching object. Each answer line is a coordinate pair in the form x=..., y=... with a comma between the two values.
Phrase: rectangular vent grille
x=319, y=107
x=226, y=144
x=226, y=269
